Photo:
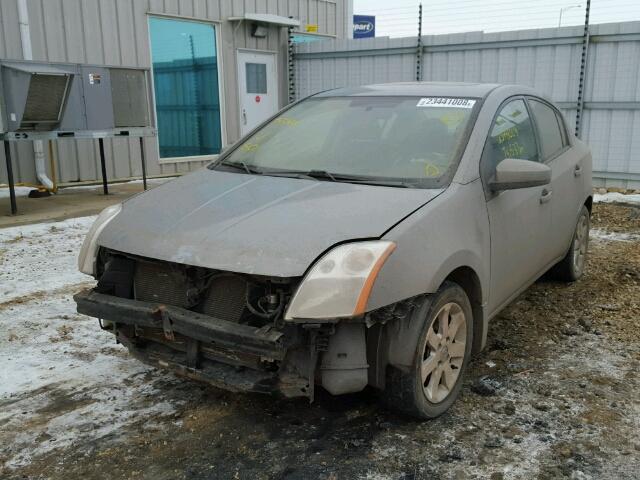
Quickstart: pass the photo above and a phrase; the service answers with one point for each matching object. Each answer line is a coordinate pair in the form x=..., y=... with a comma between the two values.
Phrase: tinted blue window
x=185, y=76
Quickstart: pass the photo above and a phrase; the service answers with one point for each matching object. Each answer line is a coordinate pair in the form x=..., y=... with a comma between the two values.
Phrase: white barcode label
x=446, y=102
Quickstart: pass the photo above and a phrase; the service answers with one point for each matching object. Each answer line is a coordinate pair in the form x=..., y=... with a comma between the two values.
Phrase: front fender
x=449, y=232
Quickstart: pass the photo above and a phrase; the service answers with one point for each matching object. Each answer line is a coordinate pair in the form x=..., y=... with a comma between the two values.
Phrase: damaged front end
x=227, y=329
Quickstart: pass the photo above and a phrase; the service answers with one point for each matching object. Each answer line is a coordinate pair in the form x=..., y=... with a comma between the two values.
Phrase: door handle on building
x=545, y=196
x=244, y=116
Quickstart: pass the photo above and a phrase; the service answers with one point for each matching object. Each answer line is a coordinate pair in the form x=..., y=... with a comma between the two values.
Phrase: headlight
x=89, y=250
x=338, y=285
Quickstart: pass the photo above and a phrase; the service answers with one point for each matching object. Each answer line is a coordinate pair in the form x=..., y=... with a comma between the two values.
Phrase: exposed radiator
x=226, y=298
x=158, y=282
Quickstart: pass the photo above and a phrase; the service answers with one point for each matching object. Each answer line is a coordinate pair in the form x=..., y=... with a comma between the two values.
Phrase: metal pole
x=52, y=165
x=583, y=71
x=291, y=87
x=419, y=46
x=144, y=164
x=12, y=188
x=103, y=165
x=198, y=97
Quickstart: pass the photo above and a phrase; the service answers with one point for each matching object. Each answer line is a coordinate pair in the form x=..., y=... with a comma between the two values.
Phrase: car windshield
x=397, y=141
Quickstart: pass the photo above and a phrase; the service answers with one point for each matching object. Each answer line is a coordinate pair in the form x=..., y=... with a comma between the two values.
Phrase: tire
x=572, y=266
x=404, y=390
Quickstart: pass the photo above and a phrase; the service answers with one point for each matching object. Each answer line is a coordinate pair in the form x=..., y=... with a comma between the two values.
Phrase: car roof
x=430, y=89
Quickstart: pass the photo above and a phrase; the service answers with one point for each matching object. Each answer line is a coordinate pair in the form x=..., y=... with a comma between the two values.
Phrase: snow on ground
x=41, y=257
x=20, y=191
x=615, y=197
x=609, y=236
x=150, y=182
x=24, y=191
x=62, y=379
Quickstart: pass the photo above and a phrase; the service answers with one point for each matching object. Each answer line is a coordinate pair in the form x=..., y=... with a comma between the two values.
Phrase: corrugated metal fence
x=546, y=59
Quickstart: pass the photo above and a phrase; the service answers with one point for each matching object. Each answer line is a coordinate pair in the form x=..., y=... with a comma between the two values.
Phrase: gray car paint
x=277, y=226
x=252, y=224
x=502, y=239
x=432, y=243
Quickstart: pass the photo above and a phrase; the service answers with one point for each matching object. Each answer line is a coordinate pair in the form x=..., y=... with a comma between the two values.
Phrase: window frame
x=564, y=136
x=489, y=194
x=217, y=31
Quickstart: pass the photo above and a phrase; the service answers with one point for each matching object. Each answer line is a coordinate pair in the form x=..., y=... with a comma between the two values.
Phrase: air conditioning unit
x=36, y=96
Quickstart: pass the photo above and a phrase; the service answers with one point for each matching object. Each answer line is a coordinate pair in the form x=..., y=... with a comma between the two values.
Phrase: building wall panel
x=115, y=32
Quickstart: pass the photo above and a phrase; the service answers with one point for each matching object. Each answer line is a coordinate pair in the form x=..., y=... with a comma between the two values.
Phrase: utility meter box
x=36, y=96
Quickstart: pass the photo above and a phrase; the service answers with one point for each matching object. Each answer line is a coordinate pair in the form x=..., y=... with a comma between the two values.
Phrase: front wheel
x=572, y=266
x=443, y=350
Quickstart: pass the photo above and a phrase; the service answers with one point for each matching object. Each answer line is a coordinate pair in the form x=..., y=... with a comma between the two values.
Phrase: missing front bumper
x=225, y=354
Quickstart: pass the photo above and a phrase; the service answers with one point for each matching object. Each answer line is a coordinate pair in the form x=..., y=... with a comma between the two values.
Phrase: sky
x=399, y=18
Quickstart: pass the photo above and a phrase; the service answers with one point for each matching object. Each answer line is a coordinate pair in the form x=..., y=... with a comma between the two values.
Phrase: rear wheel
x=434, y=381
x=572, y=266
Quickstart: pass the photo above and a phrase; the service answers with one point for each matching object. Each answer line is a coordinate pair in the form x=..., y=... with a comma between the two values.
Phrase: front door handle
x=244, y=116
x=545, y=196
x=577, y=171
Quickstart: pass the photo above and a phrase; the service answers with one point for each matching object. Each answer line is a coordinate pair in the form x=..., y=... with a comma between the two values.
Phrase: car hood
x=254, y=224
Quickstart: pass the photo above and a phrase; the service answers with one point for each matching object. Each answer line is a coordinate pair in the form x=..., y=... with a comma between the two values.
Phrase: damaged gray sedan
x=360, y=237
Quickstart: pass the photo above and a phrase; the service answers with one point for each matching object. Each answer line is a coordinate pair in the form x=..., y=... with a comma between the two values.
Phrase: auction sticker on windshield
x=446, y=102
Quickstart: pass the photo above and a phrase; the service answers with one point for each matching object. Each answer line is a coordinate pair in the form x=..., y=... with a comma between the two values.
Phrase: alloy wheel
x=580, y=243
x=444, y=352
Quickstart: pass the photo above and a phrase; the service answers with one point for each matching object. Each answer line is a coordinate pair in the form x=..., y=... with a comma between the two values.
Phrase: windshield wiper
x=382, y=183
x=337, y=177
x=321, y=175
x=241, y=166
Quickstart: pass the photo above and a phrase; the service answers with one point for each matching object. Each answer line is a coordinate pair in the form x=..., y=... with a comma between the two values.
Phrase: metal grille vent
x=226, y=298
x=45, y=98
x=129, y=92
x=158, y=283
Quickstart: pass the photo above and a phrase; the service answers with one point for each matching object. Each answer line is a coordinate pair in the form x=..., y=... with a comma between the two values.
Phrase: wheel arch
x=467, y=278
x=589, y=203
x=402, y=335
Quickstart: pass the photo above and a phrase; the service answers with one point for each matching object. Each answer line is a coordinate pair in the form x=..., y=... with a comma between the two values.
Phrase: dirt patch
x=43, y=294
x=554, y=395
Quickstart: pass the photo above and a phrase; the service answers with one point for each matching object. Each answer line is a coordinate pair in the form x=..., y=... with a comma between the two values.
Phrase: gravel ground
x=555, y=395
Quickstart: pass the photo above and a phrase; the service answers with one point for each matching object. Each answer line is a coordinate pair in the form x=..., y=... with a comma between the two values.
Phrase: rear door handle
x=577, y=171
x=545, y=196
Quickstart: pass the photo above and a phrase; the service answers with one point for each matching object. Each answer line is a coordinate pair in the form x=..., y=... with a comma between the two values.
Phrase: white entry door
x=258, y=88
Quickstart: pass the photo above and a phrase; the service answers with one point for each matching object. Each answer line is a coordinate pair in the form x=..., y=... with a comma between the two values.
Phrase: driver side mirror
x=512, y=174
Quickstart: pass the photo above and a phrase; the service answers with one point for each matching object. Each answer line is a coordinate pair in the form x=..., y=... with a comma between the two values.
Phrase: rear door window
x=548, y=128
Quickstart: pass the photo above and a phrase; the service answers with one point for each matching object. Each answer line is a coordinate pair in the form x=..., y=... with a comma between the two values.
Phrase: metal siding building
x=546, y=59
x=116, y=33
